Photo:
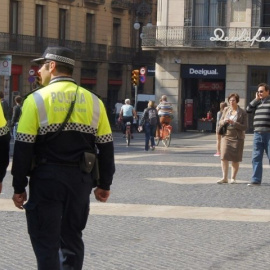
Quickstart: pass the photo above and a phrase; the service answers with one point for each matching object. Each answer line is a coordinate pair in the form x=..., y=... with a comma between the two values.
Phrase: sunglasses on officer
x=43, y=63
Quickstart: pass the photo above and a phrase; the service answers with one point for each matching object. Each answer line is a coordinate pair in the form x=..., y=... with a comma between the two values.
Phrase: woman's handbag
x=223, y=129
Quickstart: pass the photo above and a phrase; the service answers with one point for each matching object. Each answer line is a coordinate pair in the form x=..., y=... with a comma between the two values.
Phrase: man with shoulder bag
x=61, y=126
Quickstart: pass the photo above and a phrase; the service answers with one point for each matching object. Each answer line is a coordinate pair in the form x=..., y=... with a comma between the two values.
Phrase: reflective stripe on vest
x=96, y=111
x=41, y=109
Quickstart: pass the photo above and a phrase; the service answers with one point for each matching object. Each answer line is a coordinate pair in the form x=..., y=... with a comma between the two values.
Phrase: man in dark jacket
x=16, y=115
x=260, y=106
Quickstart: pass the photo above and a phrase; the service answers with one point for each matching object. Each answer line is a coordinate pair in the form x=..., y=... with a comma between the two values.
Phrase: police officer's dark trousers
x=57, y=212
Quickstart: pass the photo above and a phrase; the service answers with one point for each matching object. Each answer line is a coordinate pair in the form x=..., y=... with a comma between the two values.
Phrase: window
x=266, y=14
x=238, y=11
x=256, y=10
x=90, y=28
x=62, y=24
x=209, y=13
x=14, y=12
x=39, y=21
x=116, y=31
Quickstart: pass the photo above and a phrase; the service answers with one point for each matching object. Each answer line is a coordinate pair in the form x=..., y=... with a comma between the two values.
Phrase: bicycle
x=128, y=133
x=118, y=124
x=164, y=135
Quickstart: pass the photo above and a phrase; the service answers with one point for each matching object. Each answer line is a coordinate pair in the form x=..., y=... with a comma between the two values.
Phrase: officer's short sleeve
x=104, y=132
x=29, y=121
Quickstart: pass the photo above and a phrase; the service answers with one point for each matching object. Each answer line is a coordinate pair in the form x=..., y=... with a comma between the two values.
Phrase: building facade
x=206, y=50
x=100, y=32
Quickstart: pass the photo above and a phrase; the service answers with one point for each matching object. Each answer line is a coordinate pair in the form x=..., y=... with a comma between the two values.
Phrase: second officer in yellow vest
x=4, y=146
x=58, y=205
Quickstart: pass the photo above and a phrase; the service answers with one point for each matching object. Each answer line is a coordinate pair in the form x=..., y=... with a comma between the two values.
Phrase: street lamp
x=142, y=10
x=137, y=24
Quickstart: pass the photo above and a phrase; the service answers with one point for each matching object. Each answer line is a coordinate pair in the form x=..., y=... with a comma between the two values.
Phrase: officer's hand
x=101, y=194
x=19, y=199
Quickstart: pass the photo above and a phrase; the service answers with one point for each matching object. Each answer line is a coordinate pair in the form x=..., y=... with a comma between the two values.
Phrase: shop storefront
x=203, y=88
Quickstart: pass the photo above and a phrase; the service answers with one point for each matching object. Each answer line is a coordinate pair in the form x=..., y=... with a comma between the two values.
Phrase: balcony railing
x=94, y=51
x=35, y=46
x=97, y=2
x=121, y=4
x=121, y=54
x=209, y=37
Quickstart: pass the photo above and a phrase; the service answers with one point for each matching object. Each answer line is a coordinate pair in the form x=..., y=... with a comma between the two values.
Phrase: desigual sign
x=203, y=71
x=245, y=35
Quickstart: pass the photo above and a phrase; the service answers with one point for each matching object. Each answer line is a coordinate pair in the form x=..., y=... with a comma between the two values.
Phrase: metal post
x=136, y=93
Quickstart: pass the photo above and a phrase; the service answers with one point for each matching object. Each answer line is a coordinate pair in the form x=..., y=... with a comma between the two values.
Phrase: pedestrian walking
x=16, y=115
x=4, y=146
x=60, y=127
x=149, y=121
x=222, y=106
x=260, y=106
x=232, y=142
x=117, y=108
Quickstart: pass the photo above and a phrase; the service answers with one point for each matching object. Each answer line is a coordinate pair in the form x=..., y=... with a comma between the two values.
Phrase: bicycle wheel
x=166, y=137
x=128, y=138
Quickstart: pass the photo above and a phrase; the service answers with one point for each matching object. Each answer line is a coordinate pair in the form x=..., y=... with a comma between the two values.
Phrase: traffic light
x=135, y=77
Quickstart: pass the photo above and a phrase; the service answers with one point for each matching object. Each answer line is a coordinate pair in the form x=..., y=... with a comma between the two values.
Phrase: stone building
x=101, y=33
x=206, y=50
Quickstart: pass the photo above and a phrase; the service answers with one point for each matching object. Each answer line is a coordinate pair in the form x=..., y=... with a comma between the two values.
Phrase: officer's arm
x=24, y=146
x=104, y=142
x=106, y=164
x=22, y=161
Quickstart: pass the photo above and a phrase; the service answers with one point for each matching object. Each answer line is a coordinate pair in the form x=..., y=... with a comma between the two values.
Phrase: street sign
x=142, y=78
x=142, y=70
x=31, y=79
x=31, y=72
x=5, y=65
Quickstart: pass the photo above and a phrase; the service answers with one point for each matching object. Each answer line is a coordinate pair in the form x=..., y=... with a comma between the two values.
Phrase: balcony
x=206, y=37
x=94, y=52
x=97, y=2
x=120, y=54
x=35, y=46
x=121, y=4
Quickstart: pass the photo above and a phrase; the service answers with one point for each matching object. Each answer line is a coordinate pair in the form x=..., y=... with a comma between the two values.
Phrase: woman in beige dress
x=232, y=142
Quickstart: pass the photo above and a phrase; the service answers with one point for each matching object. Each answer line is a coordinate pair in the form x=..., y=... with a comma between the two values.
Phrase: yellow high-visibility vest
x=3, y=123
x=45, y=110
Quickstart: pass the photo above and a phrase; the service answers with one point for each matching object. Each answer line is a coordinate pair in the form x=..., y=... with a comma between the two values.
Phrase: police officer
x=4, y=146
x=58, y=205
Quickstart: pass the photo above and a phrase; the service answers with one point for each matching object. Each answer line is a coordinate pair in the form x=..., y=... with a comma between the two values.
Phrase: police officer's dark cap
x=58, y=54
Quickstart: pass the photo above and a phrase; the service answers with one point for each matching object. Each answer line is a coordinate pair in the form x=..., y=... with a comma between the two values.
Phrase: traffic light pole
x=136, y=94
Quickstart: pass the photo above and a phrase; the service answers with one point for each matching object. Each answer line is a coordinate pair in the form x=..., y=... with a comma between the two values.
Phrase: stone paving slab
x=165, y=211
x=167, y=214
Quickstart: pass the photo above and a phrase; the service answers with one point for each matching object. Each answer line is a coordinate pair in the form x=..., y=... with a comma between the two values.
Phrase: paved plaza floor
x=165, y=212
